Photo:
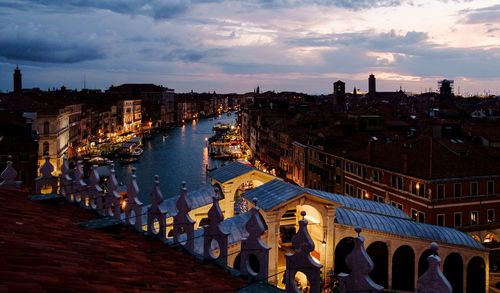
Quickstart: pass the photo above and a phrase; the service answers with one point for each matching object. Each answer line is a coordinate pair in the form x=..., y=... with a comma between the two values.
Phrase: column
x=273, y=231
x=330, y=239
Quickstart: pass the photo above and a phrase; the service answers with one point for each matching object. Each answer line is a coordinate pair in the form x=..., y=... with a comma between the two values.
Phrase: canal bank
x=180, y=155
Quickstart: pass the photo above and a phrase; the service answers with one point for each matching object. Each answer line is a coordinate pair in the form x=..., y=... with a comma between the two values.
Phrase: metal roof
x=360, y=204
x=273, y=193
x=230, y=171
x=404, y=227
x=197, y=198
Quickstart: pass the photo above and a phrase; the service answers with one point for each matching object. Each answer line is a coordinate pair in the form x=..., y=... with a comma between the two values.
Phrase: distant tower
x=446, y=87
x=372, y=85
x=18, y=82
x=338, y=99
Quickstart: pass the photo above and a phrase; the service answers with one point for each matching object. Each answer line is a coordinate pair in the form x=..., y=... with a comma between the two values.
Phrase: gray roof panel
x=404, y=227
x=230, y=171
x=359, y=204
x=273, y=193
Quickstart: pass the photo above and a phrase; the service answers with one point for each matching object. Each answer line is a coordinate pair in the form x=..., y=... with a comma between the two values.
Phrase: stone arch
x=342, y=250
x=423, y=264
x=453, y=269
x=476, y=275
x=204, y=222
x=237, y=262
x=46, y=148
x=403, y=269
x=379, y=253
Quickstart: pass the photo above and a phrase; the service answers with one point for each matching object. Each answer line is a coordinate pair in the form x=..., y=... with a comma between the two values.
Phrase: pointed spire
x=133, y=189
x=94, y=176
x=156, y=196
x=433, y=280
x=255, y=226
x=47, y=169
x=183, y=203
x=112, y=183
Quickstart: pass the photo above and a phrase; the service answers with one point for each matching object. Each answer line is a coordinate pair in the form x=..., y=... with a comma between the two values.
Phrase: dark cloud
x=490, y=14
x=349, y=4
x=46, y=48
x=192, y=55
x=383, y=41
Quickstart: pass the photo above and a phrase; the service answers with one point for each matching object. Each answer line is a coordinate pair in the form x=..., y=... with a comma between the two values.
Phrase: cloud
x=37, y=45
x=490, y=14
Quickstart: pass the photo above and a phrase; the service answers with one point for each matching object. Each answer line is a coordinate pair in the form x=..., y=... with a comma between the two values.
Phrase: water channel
x=181, y=156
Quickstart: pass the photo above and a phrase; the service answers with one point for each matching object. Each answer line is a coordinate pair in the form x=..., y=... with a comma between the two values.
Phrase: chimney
x=404, y=161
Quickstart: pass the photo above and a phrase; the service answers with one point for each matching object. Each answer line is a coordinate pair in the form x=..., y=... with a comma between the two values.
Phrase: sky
x=235, y=46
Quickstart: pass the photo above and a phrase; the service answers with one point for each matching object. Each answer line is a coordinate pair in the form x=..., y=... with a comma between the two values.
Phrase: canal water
x=181, y=156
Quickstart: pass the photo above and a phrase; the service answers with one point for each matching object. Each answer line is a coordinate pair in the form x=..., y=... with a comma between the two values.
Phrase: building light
x=417, y=185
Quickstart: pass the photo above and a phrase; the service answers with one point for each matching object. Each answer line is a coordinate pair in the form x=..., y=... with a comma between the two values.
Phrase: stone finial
x=213, y=232
x=156, y=196
x=302, y=261
x=47, y=169
x=433, y=280
x=79, y=171
x=133, y=209
x=133, y=189
x=156, y=216
x=112, y=196
x=112, y=183
x=65, y=166
x=94, y=176
x=46, y=179
x=253, y=245
x=182, y=203
x=183, y=224
x=303, y=241
x=9, y=175
x=361, y=265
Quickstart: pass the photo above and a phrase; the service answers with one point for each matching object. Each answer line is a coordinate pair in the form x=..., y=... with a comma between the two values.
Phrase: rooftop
x=46, y=246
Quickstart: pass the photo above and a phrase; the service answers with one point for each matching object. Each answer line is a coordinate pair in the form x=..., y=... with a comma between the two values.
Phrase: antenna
x=84, y=81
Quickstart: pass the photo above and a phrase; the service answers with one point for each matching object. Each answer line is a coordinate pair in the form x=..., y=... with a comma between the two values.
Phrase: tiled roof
x=404, y=227
x=230, y=171
x=44, y=249
x=360, y=204
x=273, y=193
x=363, y=213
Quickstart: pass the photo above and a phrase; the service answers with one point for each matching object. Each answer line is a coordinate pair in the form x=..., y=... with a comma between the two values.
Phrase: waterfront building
x=157, y=102
x=129, y=116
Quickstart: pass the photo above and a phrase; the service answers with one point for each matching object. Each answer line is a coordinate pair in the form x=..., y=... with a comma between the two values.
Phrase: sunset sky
x=235, y=46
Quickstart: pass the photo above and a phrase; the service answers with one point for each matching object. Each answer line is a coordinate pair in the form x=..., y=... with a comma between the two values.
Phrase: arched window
x=46, y=127
x=45, y=148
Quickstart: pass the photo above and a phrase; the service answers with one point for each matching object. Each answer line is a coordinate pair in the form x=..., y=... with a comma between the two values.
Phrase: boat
x=137, y=152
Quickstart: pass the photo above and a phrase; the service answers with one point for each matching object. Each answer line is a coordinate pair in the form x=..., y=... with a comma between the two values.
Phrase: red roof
x=44, y=249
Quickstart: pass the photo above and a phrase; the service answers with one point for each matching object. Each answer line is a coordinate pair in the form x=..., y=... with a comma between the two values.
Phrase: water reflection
x=180, y=156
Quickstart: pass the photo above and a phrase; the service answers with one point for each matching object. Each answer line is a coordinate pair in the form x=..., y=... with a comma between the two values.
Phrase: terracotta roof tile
x=46, y=250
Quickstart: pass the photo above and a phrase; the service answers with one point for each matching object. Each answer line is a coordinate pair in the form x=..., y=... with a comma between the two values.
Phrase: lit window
x=491, y=215
x=474, y=218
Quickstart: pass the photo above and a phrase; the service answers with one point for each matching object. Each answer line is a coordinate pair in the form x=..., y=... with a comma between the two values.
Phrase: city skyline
x=235, y=46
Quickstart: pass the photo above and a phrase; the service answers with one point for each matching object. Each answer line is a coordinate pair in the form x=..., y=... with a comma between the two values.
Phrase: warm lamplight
x=323, y=243
x=418, y=185
x=124, y=204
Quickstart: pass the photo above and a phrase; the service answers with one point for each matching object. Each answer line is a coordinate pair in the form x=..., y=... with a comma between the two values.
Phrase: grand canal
x=180, y=156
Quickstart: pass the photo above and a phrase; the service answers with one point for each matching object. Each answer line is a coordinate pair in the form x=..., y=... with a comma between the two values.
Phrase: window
x=491, y=216
x=417, y=216
x=474, y=217
x=421, y=217
x=440, y=220
x=414, y=215
x=490, y=187
x=378, y=198
x=338, y=179
x=473, y=189
x=457, y=219
x=417, y=189
x=397, y=182
x=46, y=127
x=397, y=205
x=359, y=193
x=45, y=148
x=377, y=177
x=457, y=189
x=349, y=189
x=440, y=191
